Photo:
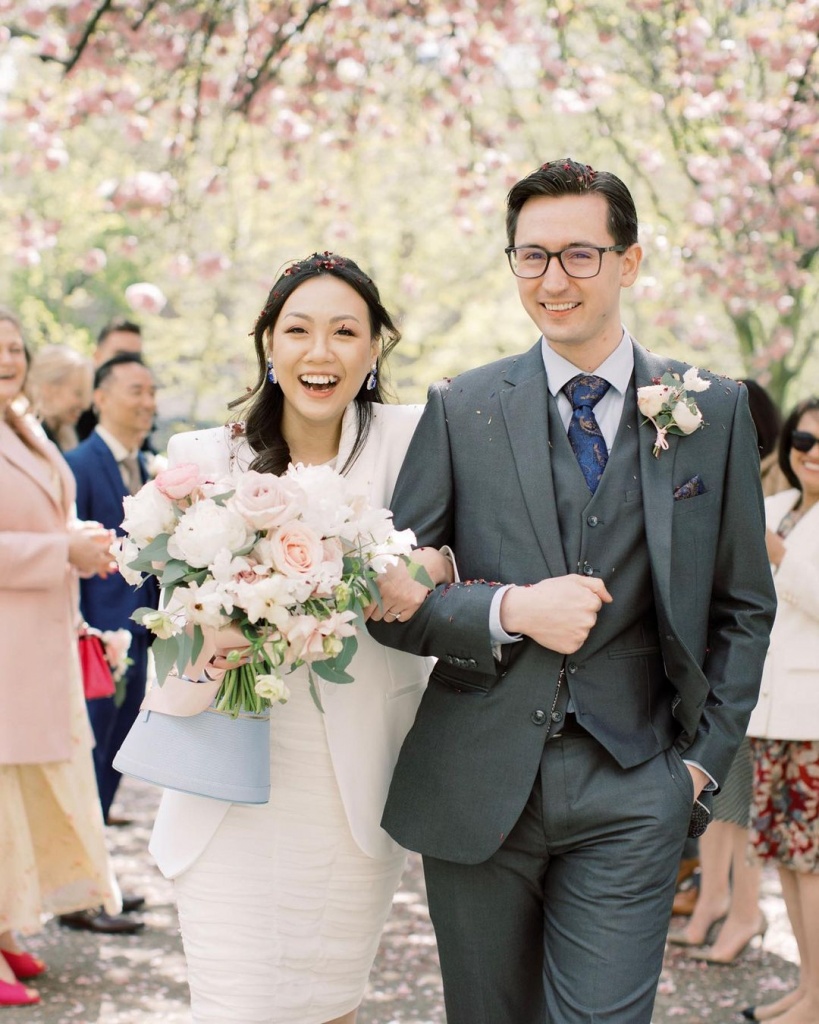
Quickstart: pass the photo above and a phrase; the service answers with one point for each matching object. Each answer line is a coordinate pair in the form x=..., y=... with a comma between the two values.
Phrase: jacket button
x=538, y=717
x=572, y=667
x=557, y=716
x=588, y=570
x=592, y=520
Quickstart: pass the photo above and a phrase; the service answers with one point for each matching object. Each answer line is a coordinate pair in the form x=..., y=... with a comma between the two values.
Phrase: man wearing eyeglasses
x=598, y=663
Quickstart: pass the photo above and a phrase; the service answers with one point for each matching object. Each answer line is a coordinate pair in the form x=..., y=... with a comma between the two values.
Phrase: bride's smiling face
x=322, y=348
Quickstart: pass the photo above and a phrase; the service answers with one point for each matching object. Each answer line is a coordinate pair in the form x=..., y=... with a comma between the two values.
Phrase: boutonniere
x=669, y=405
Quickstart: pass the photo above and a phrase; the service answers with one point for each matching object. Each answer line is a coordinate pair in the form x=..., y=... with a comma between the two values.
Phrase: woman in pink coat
x=51, y=831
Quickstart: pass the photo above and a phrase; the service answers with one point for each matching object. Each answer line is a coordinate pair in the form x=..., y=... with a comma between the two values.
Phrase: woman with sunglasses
x=785, y=724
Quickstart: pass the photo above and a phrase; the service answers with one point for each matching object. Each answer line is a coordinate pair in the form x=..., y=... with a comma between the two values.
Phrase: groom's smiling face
x=579, y=317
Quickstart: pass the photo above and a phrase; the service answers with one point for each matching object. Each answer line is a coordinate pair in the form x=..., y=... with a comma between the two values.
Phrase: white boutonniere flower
x=668, y=404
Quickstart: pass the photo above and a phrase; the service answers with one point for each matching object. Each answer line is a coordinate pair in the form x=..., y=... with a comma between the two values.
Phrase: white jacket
x=788, y=705
x=366, y=721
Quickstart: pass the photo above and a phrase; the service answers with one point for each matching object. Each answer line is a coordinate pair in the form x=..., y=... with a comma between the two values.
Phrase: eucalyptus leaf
x=325, y=670
x=165, y=654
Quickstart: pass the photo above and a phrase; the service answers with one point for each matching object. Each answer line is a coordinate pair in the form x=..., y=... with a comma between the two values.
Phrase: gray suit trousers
x=566, y=922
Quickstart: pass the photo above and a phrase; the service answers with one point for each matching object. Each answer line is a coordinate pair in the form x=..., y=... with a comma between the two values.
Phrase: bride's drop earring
x=271, y=373
x=372, y=377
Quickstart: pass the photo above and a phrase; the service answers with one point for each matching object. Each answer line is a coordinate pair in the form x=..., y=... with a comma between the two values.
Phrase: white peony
x=328, y=502
x=125, y=551
x=148, y=514
x=204, y=530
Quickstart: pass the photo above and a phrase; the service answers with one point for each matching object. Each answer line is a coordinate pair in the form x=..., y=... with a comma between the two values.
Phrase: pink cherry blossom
x=145, y=297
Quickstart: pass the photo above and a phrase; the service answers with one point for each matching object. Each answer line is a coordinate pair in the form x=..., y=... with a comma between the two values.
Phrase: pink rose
x=265, y=500
x=178, y=482
x=296, y=550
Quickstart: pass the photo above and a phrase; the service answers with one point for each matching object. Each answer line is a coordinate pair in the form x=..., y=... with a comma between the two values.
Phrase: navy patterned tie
x=588, y=443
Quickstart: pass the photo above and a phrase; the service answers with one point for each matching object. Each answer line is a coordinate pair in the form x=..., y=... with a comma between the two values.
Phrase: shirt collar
x=616, y=369
x=118, y=449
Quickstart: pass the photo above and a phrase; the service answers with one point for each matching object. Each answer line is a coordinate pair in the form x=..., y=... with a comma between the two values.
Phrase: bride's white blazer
x=366, y=721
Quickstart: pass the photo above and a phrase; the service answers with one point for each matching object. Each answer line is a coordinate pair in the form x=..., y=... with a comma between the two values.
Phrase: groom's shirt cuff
x=497, y=634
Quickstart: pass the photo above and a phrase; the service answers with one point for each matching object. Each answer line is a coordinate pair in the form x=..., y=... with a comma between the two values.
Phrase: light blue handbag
x=207, y=754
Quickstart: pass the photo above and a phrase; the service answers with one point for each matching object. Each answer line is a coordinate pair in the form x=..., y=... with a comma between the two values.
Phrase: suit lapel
x=525, y=408
x=656, y=475
x=108, y=465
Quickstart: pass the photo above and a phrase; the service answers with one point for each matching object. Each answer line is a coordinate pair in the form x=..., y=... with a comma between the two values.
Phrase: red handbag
x=97, y=680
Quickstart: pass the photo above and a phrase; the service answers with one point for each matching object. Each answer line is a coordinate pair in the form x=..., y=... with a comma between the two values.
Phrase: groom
x=598, y=665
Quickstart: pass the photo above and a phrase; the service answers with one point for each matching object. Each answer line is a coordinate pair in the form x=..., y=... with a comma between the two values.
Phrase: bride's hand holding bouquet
x=261, y=573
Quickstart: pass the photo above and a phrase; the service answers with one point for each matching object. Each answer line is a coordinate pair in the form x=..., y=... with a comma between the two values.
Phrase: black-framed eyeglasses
x=576, y=260
x=803, y=440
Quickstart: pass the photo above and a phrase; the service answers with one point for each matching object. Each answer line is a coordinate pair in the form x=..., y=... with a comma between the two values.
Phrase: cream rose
x=265, y=500
x=651, y=398
x=685, y=419
x=296, y=550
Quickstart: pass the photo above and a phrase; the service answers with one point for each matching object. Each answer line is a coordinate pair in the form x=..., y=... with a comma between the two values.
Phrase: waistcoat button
x=592, y=520
x=538, y=717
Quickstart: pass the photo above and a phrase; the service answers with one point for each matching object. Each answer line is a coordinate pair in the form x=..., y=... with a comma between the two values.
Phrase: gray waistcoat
x=616, y=680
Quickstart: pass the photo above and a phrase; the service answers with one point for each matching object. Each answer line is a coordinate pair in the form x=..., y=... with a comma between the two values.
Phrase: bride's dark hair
x=265, y=401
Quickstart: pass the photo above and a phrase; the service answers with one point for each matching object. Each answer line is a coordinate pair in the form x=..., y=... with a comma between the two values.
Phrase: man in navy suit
x=109, y=465
x=117, y=336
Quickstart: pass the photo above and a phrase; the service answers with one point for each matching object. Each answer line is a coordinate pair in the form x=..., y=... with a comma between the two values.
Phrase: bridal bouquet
x=289, y=562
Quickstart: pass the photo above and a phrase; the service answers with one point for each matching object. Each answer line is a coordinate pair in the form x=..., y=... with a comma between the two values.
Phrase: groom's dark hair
x=567, y=177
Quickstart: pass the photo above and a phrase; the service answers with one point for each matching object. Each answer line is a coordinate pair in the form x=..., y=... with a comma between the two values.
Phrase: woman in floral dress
x=785, y=724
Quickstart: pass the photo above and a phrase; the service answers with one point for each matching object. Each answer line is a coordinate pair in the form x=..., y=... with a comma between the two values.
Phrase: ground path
x=141, y=979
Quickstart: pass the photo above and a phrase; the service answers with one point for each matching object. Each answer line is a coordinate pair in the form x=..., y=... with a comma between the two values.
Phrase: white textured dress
x=282, y=905
x=282, y=913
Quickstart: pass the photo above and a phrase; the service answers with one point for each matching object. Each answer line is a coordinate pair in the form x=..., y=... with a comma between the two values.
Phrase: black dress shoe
x=116, y=822
x=749, y=1013
x=132, y=903
x=100, y=922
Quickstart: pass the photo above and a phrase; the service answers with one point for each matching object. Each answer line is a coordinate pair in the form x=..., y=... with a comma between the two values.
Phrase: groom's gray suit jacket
x=675, y=659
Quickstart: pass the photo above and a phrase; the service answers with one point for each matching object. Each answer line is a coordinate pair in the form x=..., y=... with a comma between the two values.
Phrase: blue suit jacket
x=107, y=603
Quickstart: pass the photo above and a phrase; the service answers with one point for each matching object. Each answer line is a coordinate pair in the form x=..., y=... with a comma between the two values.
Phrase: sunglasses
x=803, y=440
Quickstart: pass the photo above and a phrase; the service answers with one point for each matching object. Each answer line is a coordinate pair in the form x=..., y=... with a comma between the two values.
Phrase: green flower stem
x=238, y=691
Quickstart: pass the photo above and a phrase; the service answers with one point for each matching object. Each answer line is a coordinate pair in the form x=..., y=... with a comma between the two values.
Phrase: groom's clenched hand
x=557, y=613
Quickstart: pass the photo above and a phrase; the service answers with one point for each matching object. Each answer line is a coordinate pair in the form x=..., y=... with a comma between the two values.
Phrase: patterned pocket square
x=690, y=489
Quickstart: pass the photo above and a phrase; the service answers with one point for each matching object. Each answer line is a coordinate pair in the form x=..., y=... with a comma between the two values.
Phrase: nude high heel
x=708, y=957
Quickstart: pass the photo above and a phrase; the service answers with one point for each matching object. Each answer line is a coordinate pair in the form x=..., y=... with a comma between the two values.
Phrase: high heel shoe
x=24, y=965
x=17, y=995
x=706, y=955
x=678, y=937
